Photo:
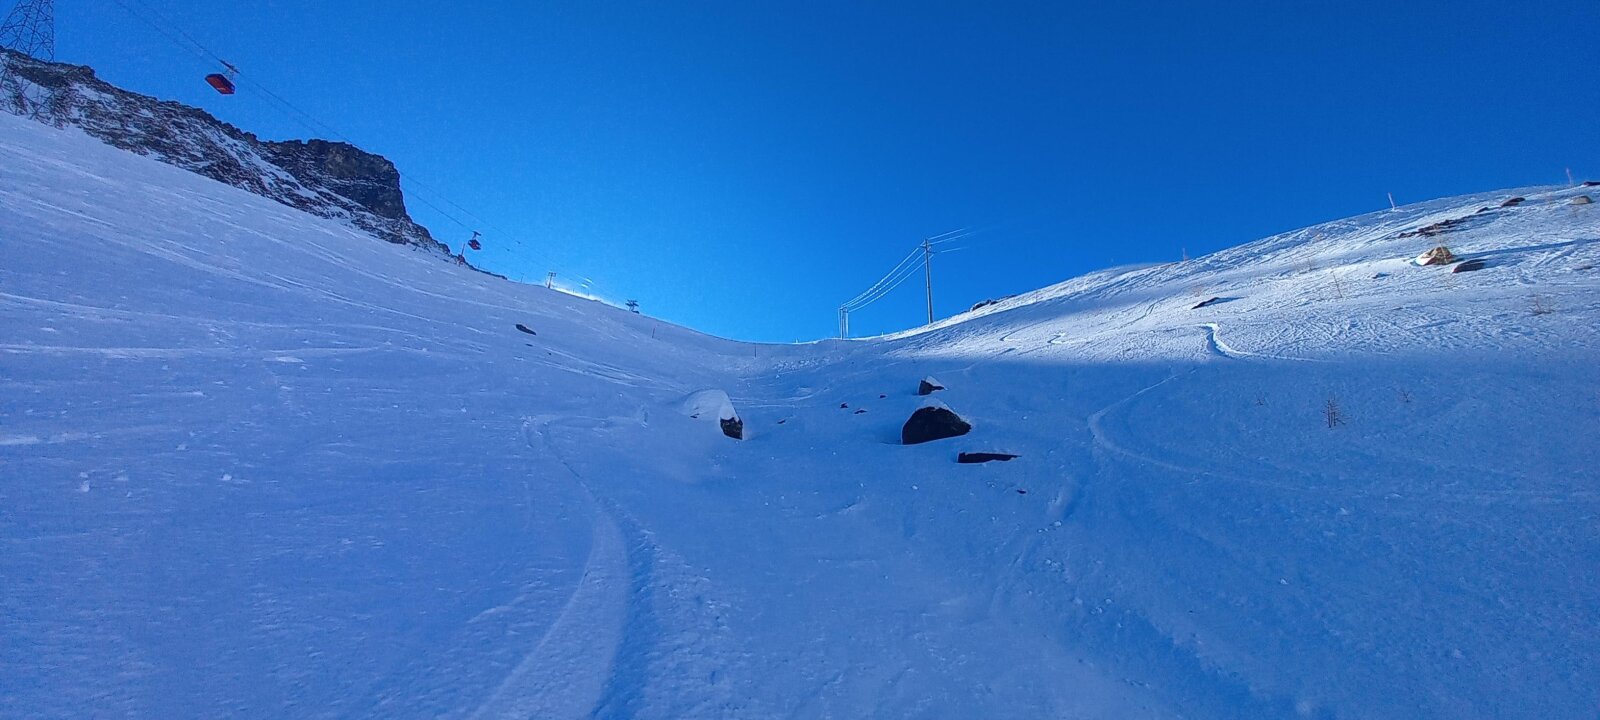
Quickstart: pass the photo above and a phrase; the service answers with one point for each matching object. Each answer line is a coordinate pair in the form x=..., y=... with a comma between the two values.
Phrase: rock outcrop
x=321, y=177
x=933, y=421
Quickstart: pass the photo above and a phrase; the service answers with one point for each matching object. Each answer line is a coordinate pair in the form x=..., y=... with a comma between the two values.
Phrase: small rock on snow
x=971, y=458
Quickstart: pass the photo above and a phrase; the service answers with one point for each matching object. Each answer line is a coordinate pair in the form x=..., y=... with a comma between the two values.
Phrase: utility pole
x=927, y=275
x=844, y=322
x=550, y=280
x=29, y=29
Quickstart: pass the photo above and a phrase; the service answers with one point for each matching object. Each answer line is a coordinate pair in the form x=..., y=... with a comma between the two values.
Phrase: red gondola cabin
x=221, y=83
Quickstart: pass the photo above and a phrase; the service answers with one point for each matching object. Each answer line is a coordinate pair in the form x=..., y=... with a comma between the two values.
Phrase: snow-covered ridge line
x=327, y=179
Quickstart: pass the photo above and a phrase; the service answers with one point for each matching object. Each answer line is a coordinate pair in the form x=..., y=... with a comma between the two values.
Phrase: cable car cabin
x=475, y=245
x=221, y=83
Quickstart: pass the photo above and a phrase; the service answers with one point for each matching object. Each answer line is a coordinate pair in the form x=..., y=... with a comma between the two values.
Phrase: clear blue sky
x=745, y=167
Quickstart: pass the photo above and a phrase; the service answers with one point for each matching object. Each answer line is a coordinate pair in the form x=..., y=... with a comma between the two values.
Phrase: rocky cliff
x=328, y=179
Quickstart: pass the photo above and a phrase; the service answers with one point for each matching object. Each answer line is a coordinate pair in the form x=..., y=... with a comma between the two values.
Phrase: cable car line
x=223, y=83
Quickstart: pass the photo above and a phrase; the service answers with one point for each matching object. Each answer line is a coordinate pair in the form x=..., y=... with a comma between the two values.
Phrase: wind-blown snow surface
x=254, y=464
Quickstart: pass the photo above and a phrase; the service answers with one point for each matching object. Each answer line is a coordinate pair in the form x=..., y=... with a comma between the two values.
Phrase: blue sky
x=743, y=168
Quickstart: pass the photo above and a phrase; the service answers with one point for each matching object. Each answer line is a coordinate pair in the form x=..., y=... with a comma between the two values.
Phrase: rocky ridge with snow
x=324, y=178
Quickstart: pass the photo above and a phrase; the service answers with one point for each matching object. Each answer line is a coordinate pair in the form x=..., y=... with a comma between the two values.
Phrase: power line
x=909, y=272
x=903, y=271
x=893, y=281
x=904, y=262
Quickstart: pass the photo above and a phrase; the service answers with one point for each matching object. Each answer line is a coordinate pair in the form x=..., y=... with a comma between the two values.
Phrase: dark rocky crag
x=327, y=179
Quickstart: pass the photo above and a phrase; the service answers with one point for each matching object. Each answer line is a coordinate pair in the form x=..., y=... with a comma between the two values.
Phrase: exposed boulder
x=1470, y=266
x=1206, y=303
x=1440, y=255
x=933, y=421
x=929, y=386
x=707, y=404
x=972, y=458
x=1513, y=202
x=1583, y=200
x=1591, y=183
x=526, y=329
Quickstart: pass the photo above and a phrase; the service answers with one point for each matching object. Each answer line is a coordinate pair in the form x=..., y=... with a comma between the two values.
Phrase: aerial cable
x=907, y=268
x=179, y=37
x=950, y=236
x=889, y=283
x=910, y=272
x=897, y=268
x=877, y=293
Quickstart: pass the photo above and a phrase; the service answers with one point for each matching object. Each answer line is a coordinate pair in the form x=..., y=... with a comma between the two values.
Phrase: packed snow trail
x=255, y=464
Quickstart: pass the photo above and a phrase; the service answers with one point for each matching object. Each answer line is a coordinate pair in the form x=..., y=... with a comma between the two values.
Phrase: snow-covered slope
x=253, y=464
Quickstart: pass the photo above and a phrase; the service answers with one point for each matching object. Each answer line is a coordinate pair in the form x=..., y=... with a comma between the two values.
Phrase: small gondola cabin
x=221, y=83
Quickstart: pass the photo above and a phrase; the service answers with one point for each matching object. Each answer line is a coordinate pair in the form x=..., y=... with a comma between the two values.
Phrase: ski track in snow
x=558, y=678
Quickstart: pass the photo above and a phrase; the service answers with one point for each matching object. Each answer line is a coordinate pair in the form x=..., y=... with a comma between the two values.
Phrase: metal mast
x=30, y=29
x=927, y=275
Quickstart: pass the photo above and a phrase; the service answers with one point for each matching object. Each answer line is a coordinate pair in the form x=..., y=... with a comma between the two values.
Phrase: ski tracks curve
x=568, y=670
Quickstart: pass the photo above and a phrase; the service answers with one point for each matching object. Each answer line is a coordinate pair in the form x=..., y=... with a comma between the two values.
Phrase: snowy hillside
x=253, y=464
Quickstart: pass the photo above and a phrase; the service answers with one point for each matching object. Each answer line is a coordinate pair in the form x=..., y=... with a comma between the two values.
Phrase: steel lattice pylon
x=30, y=28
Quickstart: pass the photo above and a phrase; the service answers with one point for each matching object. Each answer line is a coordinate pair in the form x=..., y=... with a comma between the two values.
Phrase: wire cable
x=907, y=262
x=420, y=190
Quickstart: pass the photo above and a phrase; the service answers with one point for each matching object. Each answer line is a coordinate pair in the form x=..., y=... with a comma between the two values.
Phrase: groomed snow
x=256, y=464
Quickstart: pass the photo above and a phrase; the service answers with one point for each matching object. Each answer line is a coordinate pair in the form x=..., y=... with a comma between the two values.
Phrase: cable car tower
x=30, y=29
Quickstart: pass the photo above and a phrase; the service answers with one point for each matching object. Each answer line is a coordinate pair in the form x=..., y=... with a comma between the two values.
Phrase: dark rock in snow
x=1591, y=183
x=1469, y=266
x=526, y=329
x=987, y=303
x=733, y=427
x=972, y=458
x=929, y=386
x=1440, y=255
x=933, y=422
x=714, y=403
x=1583, y=200
x=1513, y=202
